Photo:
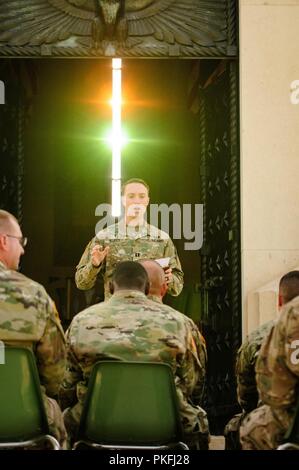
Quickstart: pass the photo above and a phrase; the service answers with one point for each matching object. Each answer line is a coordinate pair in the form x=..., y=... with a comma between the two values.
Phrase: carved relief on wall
x=127, y=28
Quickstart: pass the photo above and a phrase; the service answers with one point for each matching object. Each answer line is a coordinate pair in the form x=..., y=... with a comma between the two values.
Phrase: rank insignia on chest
x=137, y=255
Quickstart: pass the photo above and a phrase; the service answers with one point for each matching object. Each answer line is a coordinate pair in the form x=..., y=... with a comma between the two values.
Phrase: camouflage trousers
x=55, y=421
x=264, y=428
x=232, y=432
x=197, y=437
x=196, y=427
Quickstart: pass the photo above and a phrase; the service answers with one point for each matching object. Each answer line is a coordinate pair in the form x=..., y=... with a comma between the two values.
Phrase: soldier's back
x=129, y=327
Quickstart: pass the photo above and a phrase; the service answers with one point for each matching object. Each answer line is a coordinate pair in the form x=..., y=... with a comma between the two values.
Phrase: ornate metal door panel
x=221, y=248
x=11, y=148
x=124, y=28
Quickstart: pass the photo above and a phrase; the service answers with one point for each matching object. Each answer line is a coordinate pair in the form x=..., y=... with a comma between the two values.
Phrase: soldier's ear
x=111, y=288
x=280, y=300
x=164, y=289
x=3, y=243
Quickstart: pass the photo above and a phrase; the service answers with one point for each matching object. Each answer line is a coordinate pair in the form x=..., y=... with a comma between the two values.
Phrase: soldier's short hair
x=130, y=275
x=134, y=180
x=5, y=220
x=289, y=286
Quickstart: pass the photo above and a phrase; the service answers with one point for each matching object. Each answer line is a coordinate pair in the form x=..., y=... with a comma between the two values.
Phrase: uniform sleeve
x=50, y=353
x=199, y=352
x=245, y=370
x=192, y=370
x=72, y=375
x=292, y=342
x=86, y=273
x=276, y=376
x=176, y=286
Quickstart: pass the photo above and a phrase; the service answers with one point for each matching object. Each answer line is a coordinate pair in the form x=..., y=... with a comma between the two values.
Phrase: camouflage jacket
x=277, y=367
x=200, y=345
x=128, y=245
x=28, y=318
x=245, y=367
x=133, y=328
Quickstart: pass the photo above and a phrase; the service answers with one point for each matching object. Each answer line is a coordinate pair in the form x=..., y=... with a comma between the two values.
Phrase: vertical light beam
x=116, y=137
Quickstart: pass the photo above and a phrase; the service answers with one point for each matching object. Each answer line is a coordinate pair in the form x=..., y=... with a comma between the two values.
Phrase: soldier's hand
x=168, y=275
x=98, y=254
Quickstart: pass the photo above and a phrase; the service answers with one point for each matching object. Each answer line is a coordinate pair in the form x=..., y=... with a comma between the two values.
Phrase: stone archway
x=193, y=29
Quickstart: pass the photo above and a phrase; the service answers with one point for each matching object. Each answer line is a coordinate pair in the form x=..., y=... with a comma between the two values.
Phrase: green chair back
x=131, y=403
x=22, y=413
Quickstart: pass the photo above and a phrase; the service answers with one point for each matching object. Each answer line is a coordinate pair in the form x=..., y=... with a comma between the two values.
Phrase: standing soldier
x=130, y=327
x=132, y=239
x=28, y=319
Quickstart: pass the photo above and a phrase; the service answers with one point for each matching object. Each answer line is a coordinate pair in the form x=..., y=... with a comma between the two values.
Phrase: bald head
x=7, y=221
x=158, y=286
x=11, y=248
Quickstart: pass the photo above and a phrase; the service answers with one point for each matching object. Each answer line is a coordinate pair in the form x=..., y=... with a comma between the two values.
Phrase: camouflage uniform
x=127, y=244
x=28, y=319
x=246, y=384
x=245, y=367
x=277, y=377
x=200, y=345
x=131, y=327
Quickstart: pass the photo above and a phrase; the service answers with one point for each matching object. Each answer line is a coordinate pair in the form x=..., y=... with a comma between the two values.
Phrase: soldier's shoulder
x=289, y=309
x=108, y=233
x=27, y=296
x=21, y=281
x=89, y=312
x=178, y=316
x=155, y=232
x=259, y=333
x=254, y=340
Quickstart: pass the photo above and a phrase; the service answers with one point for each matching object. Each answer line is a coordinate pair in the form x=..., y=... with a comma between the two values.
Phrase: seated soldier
x=277, y=381
x=120, y=329
x=246, y=359
x=29, y=319
x=157, y=290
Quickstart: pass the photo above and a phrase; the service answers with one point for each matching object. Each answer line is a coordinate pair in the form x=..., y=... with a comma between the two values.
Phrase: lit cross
x=116, y=137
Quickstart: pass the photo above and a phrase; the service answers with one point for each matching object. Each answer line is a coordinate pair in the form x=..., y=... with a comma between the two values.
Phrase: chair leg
x=54, y=443
x=288, y=446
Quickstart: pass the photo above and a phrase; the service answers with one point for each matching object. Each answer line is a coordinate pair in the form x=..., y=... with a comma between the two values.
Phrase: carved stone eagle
x=172, y=22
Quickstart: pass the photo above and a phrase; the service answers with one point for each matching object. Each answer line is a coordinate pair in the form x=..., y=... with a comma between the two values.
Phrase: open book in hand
x=164, y=262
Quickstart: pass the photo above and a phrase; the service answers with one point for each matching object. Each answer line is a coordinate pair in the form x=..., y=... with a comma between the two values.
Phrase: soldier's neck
x=135, y=221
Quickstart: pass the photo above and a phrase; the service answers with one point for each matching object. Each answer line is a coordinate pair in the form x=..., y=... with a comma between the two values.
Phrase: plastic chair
x=130, y=405
x=23, y=422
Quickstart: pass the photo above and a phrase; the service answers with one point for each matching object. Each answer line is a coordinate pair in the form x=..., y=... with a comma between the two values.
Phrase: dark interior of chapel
x=180, y=117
